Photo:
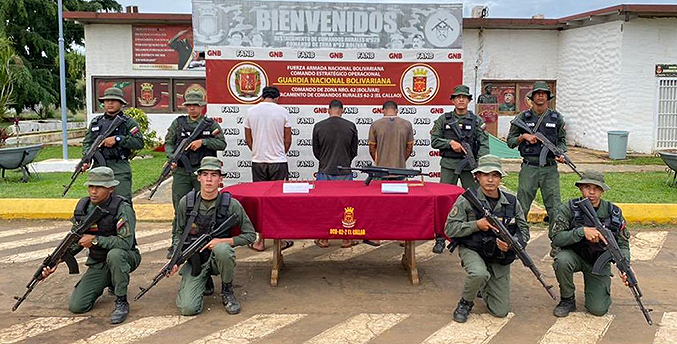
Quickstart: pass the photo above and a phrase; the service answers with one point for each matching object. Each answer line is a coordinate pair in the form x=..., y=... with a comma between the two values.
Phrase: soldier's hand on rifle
x=85, y=167
x=86, y=240
x=456, y=146
x=592, y=235
x=173, y=166
x=529, y=138
x=109, y=142
x=559, y=159
x=174, y=270
x=195, y=145
x=624, y=277
x=502, y=245
x=46, y=271
x=484, y=225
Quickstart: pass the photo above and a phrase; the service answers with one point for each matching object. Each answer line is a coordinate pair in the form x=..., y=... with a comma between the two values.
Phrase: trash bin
x=618, y=144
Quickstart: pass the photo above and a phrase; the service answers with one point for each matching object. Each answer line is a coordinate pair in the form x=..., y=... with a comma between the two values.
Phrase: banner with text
x=420, y=82
x=339, y=25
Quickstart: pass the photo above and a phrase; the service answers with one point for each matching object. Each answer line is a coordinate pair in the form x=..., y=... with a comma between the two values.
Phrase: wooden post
x=278, y=262
x=409, y=262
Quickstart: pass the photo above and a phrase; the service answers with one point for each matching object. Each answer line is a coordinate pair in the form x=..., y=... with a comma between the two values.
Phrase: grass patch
x=54, y=152
x=50, y=185
x=626, y=187
x=644, y=160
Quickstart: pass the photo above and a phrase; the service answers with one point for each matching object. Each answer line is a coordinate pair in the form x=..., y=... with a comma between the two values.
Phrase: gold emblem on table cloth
x=348, y=217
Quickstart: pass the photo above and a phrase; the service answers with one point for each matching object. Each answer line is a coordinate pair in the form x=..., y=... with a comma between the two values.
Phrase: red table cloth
x=347, y=210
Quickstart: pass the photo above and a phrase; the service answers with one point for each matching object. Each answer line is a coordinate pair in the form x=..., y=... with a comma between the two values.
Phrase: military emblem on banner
x=442, y=29
x=348, y=217
x=419, y=83
x=246, y=81
x=146, y=98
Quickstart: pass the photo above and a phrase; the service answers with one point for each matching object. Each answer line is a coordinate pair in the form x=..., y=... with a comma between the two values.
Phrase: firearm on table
x=469, y=159
x=549, y=146
x=381, y=172
x=63, y=252
x=505, y=236
x=613, y=253
x=181, y=256
x=178, y=155
x=93, y=153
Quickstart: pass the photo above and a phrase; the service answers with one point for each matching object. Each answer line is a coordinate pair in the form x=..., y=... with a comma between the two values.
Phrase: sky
x=497, y=9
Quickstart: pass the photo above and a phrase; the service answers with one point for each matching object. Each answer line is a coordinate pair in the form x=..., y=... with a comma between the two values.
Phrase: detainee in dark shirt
x=334, y=144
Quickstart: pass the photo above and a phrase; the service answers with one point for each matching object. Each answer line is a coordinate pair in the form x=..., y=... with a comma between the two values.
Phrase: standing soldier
x=532, y=176
x=208, y=142
x=445, y=138
x=116, y=148
x=581, y=244
x=112, y=246
x=218, y=256
x=485, y=258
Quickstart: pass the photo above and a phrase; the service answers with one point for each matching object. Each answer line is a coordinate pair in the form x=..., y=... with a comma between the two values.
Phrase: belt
x=551, y=163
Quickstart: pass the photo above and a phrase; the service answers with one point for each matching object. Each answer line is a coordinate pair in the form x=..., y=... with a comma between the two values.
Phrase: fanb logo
x=232, y=175
x=244, y=163
x=305, y=163
x=293, y=153
x=231, y=131
x=421, y=163
x=422, y=142
x=303, y=142
x=362, y=163
x=363, y=142
x=231, y=153
x=421, y=121
x=305, y=120
x=241, y=142
x=348, y=217
x=146, y=98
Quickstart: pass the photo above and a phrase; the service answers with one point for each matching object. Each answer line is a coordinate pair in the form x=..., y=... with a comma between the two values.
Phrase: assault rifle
x=93, y=153
x=613, y=253
x=549, y=146
x=382, y=172
x=469, y=159
x=505, y=236
x=179, y=155
x=181, y=256
x=63, y=252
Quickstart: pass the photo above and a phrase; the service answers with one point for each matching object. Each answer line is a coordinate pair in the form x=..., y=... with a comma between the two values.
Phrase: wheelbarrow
x=18, y=157
x=670, y=158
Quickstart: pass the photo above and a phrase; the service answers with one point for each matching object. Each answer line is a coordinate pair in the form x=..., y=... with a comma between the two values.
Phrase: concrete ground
x=357, y=295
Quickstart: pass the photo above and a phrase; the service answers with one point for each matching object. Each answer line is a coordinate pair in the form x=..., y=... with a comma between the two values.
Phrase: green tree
x=7, y=74
x=32, y=26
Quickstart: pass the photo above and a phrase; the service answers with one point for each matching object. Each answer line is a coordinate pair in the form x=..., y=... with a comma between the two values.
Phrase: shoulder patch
x=454, y=211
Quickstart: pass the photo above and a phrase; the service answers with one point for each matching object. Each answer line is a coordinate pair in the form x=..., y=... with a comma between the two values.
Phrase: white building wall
x=588, y=82
x=108, y=52
x=509, y=55
x=646, y=42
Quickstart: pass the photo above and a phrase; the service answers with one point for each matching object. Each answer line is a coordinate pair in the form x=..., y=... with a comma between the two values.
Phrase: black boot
x=228, y=299
x=439, y=245
x=121, y=310
x=565, y=306
x=462, y=310
x=209, y=288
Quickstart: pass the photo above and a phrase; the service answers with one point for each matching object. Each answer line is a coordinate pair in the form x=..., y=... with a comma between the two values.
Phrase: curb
x=62, y=209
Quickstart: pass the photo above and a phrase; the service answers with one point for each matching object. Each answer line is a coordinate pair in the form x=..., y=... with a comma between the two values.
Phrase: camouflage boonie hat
x=593, y=177
x=113, y=93
x=210, y=163
x=461, y=90
x=101, y=176
x=195, y=98
x=540, y=86
x=489, y=163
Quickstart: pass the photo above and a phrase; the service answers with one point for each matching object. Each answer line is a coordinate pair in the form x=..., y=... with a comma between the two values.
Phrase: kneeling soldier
x=217, y=257
x=486, y=258
x=581, y=244
x=112, y=246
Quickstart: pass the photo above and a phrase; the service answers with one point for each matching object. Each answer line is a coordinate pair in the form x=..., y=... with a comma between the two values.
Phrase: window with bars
x=666, y=128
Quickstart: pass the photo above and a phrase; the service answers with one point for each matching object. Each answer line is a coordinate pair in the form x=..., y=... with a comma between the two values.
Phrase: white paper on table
x=296, y=188
x=395, y=188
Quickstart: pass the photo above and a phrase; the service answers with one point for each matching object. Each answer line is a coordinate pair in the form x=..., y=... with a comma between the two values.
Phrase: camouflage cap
x=113, y=93
x=195, y=98
x=461, y=90
x=101, y=176
x=489, y=163
x=210, y=163
x=540, y=86
x=593, y=177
